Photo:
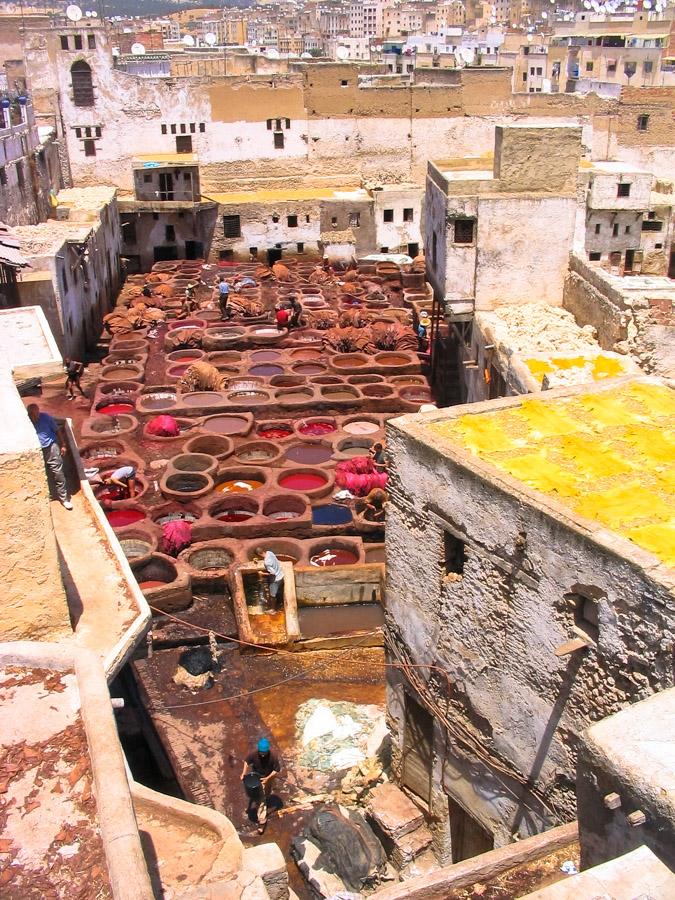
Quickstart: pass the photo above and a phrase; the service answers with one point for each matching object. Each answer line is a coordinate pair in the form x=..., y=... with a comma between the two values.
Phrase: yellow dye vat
x=607, y=456
x=607, y=367
x=599, y=367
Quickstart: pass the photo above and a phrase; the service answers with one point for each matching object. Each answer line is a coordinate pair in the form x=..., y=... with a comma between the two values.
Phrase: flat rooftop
x=290, y=194
x=27, y=347
x=605, y=455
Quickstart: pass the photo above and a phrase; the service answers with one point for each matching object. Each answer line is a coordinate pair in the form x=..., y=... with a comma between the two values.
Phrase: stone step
x=394, y=813
x=410, y=846
x=425, y=864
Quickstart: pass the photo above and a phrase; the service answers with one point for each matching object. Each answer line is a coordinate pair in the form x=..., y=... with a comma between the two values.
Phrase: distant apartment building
x=365, y=19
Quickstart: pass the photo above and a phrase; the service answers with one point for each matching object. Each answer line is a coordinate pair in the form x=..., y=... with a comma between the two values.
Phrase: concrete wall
x=190, y=223
x=492, y=632
x=34, y=603
x=258, y=228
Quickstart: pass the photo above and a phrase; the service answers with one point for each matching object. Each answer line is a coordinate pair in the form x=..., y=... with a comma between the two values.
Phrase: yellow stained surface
x=599, y=366
x=608, y=456
x=281, y=194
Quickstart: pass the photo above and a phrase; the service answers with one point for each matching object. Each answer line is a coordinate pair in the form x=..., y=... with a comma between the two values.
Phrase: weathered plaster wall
x=34, y=603
x=493, y=631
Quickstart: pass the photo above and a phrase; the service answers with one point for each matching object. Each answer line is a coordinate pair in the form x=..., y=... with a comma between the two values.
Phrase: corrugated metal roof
x=10, y=255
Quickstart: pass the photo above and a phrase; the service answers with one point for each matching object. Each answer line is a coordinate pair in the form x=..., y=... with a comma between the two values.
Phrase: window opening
x=454, y=554
x=642, y=122
x=83, y=86
x=90, y=147
x=278, y=140
x=232, y=226
x=184, y=144
x=169, y=233
x=623, y=189
x=408, y=214
x=464, y=231
x=292, y=221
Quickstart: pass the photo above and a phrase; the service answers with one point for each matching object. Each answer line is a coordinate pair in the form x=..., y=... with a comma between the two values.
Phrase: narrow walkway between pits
x=101, y=605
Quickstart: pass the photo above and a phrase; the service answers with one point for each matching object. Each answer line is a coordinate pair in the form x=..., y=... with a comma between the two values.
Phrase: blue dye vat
x=331, y=514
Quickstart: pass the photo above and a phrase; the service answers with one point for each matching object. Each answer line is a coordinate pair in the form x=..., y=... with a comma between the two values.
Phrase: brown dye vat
x=285, y=381
x=194, y=462
x=202, y=398
x=210, y=444
x=416, y=394
x=282, y=509
x=291, y=396
x=263, y=356
x=226, y=424
x=309, y=454
x=392, y=359
x=349, y=360
x=256, y=452
x=121, y=373
x=324, y=621
x=307, y=353
x=248, y=397
x=327, y=379
x=339, y=394
x=266, y=370
x=406, y=380
x=223, y=357
x=182, y=355
x=309, y=368
x=160, y=400
x=365, y=379
x=377, y=390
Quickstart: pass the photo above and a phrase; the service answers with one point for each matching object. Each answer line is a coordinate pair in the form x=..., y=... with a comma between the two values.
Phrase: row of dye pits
x=255, y=475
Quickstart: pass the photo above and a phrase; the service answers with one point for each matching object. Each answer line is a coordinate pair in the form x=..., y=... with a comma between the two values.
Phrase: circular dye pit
x=275, y=432
x=146, y=585
x=266, y=332
x=333, y=393
x=267, y=370
x=309, y=368
x=351, y=452
x=121, y=373
x=316, y=429
x=207, y=558
x=334, y=556
x=416, y=394
x=302, y=481
x=235, y=515
x=361, y=426
x=239, y=486
x=159, y=400
x=135, y=547
x=392, y=359
x=307, y=353
x=226, y=424
x=188, y=482
x=309, y=454
x=115, y=409
x=177, y=516
x=265, y=356
x=119, y=518
x=179, y=370
x=295, y=396
x=331, y=514
x=248, y=397
x=256, y=453
x=202, y=398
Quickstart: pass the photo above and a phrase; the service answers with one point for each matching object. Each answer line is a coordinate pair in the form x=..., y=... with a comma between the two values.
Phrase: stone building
x=529, y=594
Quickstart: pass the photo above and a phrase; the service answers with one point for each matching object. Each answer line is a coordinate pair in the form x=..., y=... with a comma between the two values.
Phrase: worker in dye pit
x=223, y=297
x=74, y=372
x=423, y=327
x=374, y=504
x=274, y=575
x=283, y=316
x=52, y=440
x=147, y=292
x=191, y=296
x=265, y=764
x=124, y=478
x=296, y=313
x=376, y=453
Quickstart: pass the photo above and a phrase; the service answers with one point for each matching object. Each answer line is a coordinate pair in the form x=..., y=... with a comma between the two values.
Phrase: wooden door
x=467, y=836
x=417, y=749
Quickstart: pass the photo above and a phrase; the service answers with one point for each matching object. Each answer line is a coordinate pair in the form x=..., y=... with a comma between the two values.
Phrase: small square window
x=658, y=246
x=642, y=122
x=597, y=228
x=275, y=218
x=651, y=215
x=539, y=70
x=278, y=140
x=595, y=257
x=147, y=177
x=183, y=128
x=454, y=554
x=333, y=222
x=524, y=76
x=464, y=231
x=301, y=247
x=232, y=226
x=184, y=144
x=253, y=251
x=648, y=66
x=87, y=132
x=589, y=66
x=408, y=214
x=354, y=220
x=623, y=189
x=64, y=42
x=344, y=83
x=78, y=41
x=384, y=249
x=292, y=221
x=91, y=41
x=270, y=123
x=388, y=215
x=531, y=70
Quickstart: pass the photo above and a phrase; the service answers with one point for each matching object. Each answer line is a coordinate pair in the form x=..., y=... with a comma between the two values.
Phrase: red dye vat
x=334, y=556
x=115, y=409
x=302, y=481
x=144, y=585
x=118, y=518
x=317, y=428
x=235, y=515
x=275, y=434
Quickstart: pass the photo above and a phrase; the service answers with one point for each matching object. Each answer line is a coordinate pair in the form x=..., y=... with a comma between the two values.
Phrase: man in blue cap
x=265, y=764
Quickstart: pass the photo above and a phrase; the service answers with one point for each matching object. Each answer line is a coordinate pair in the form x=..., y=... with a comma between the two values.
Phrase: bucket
x=253, y=785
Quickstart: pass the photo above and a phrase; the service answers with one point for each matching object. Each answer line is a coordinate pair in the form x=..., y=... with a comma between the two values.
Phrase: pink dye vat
x=266, y=370
x=235, y=515
x=115, y=409
x=302, y=481
x=261, y=356
x=275, y=434
x=334, y=556
x=225, y=424
x=144, y=585
x=309, y=454
x=118, y=518
x=317, y=428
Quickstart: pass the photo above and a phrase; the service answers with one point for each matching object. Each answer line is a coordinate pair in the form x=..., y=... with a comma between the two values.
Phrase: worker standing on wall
x=223, y=297
x=265, y=765
x=74, y=372
x=274, y=574
x=52, y=440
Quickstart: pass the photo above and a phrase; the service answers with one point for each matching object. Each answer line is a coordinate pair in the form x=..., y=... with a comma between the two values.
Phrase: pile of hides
x=245, y=306
x=393, y=336
x=163, y=426
x=195, y=668
x=201, y=376
x=355, y=318
x=183, y=338
x=176, y=536
x=318, y=276
x=339, y=843
x=359, y=476
x=349, y=340
x=321, y=318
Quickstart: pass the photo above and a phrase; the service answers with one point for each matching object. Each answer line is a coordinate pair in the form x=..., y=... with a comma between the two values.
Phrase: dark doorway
x=163, y=253
x=417, y=749
x=165, y=186
x=467, y=836
x=671, y=265
x=413, y=250
x=273, y=255
x=194, y=250
x=630, y=259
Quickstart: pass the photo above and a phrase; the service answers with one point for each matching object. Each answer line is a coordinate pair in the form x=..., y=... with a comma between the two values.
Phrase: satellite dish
x=188, y=40
x=305, y=55
x=272, y=53
x=467, y=55
x=93, y=14
x=210, y=38
x=74, y=13
x=115, y=51
x=544, y=14
x=342, y=53
x=138, y=49
x=529, y=38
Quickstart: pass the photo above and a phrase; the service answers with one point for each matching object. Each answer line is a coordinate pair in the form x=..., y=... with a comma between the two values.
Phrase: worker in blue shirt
x=53, y=444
